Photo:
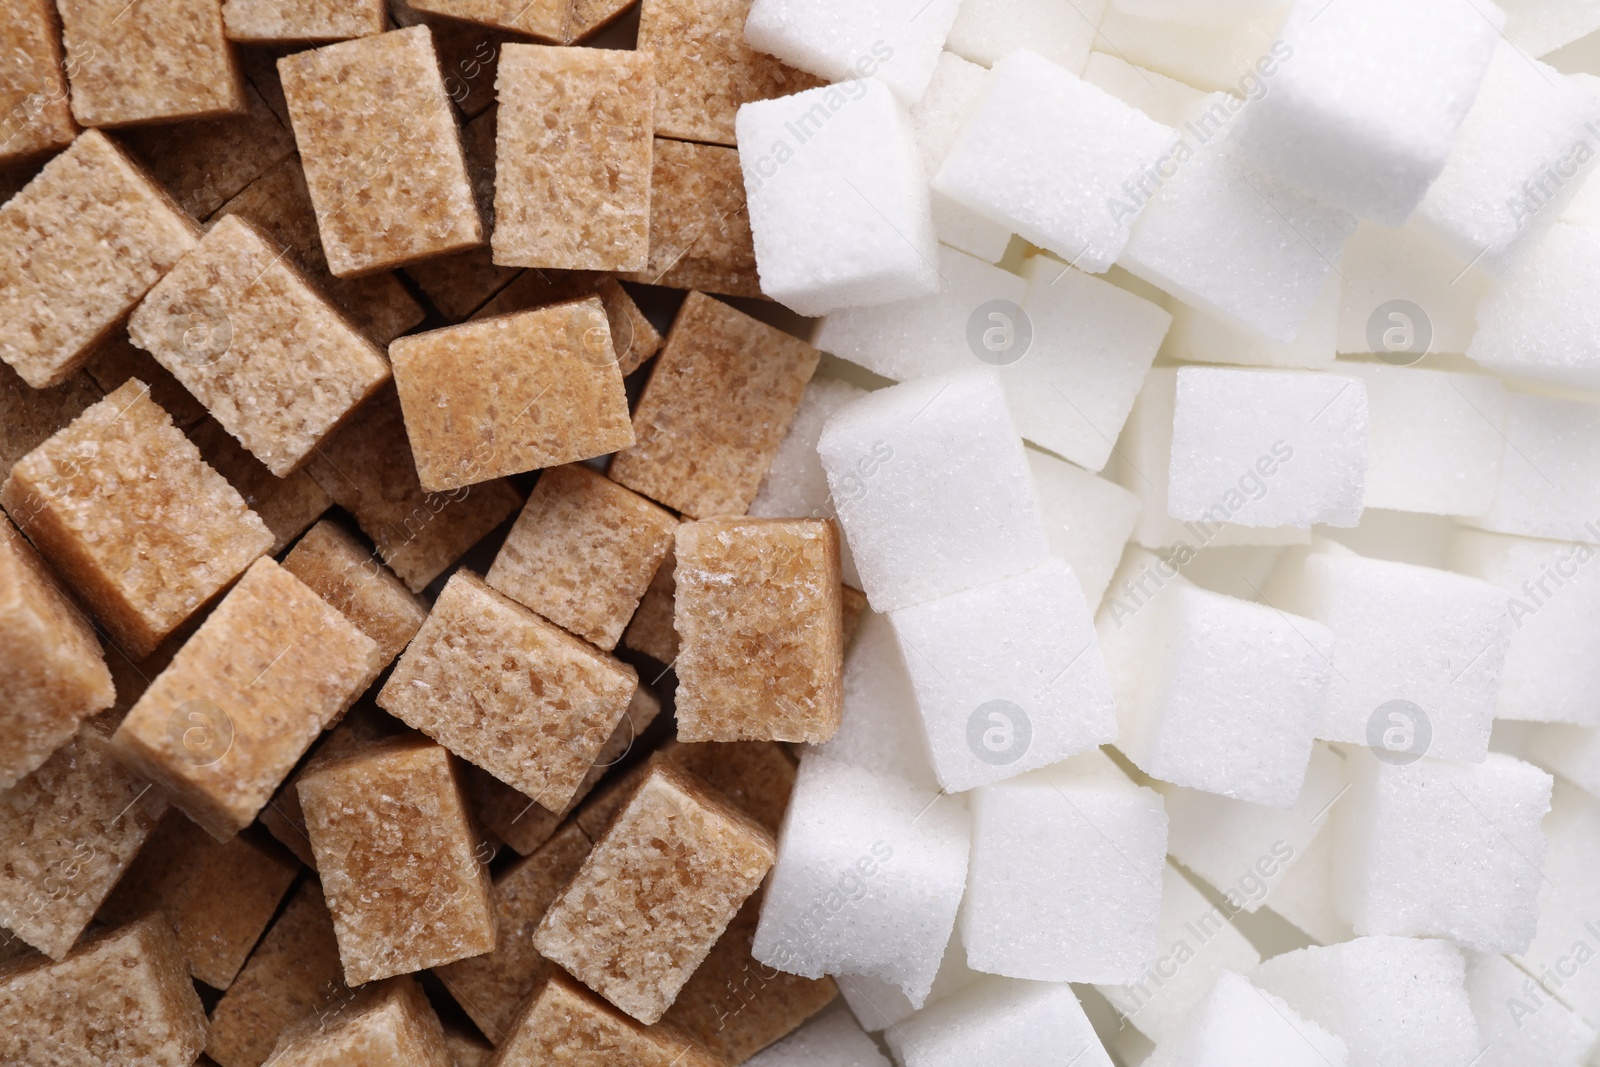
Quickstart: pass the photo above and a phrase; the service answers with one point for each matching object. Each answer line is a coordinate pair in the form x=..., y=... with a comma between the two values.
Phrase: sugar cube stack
x=854, y=533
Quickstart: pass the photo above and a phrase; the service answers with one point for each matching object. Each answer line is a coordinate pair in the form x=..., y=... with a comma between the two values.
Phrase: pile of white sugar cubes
x=1212, y=416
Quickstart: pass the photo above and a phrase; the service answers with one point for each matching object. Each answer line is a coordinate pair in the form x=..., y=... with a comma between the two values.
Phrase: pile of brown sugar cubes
x=385, y=391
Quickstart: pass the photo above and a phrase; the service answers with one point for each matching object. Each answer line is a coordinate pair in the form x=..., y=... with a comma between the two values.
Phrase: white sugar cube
x=1404, y=295
x=1552, y=593
x=1304, y=895
x=1524, y=152
x=1268, y=448
x=795, y=485
x=1049, y=156
x=988, y=30
x=1200, y=337
x=1394, y=1001
x=878, y=1005
x=1239, y=1025
x=1167, y=100
x=1435, y=849
x=1001, y=1020
x=1229, y=697
x=1434, y=438
x=937, y=118
x=1518, y=1022
x=1090, y=346
x=1087, y=520
x=880, y=729
x=1416, y=651
x=1245, y=851
x=1007, y=676
x=1549, y=484
x=1065, y=877
x=869, y=875
x=1573, y=752
x=1539, y=27
x=1197, y=943
x=838, y=203
x=1539, y=323
x=1220, y=236
x=1240, y=57
x=1365, y=113
x=928, y=335
x=1202, y=12
x=896, y=42
x=1566, y=947
x=932, y=489
x=831, y=1038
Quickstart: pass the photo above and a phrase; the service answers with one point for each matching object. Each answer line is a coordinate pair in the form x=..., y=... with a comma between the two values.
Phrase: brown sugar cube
x=650, y=630
x=399, y=860
x=279, y=205
x=271, y=667
x=342, y=571
x=204, y=164
x=154, y=61
x=115, y=360
x=124, y=998
x=736, y=1006
x=567, y=1024
x=757, y=777
x=85, y=240
x=469, y=55
x=510, y=394
x=368, y=470
x=244, y=331
x=122, y=505
x=699, y=222
x=391, y=1024
x=294, y=973
x=218, y=897
x=853, y=603
x=28, y=416
x=559, y=21
x=583, y=552
x=760, y=624
x=53, y=674
x=459, y=284
x=656, y=893
x=523, y=823
x=572, y=187
x=287, y=505
x=381, y=151
x=67, y=833
x=508, y=691
x=493, y=987
x=633, y=338
x=704, y=69
x=33, y=89
x=467, y=1050
x=302, y=21
x=716, y=408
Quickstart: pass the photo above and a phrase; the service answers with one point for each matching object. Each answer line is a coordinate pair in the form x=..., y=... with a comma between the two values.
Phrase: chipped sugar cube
x=511, y=393
x=355, y=107
x=512, y=693
x=401, y=864
x=123, y=506
x=218, y=897
x=557, y=204
x=838, y=200
x=895, y=44
x=760, y=629
x=240, y=703
x=699, y=224
x=1028, y=1024
x=246, y=333
x=642, y=914
x=93, y=214
x=38, y=115
x=270, y=22
x=715, y=410
x=339, y=569
x=288, y=506
x=122, y=997
x=1046, y=152
x=932, y=488
x=53, y=672
x=564, y=1016
x=583, y=552
x=1239, y=1024
x=391, y=1021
